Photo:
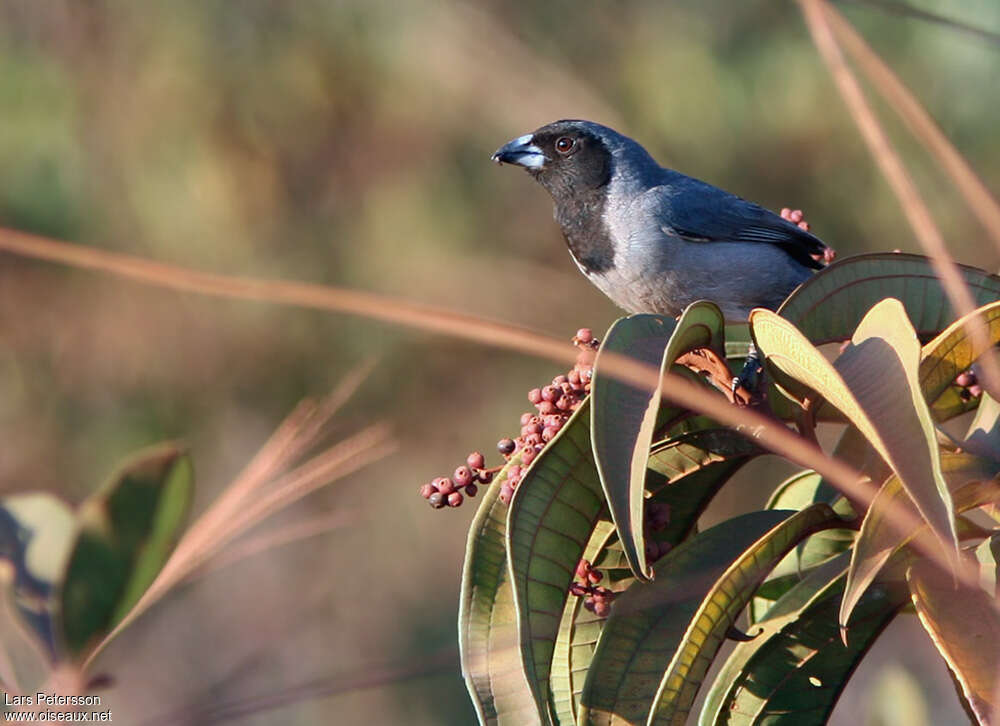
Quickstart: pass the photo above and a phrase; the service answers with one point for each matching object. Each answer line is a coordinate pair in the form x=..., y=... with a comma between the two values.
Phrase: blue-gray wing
x=699, y=212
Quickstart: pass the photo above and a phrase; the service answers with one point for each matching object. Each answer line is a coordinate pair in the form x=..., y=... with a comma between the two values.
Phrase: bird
x=654, y=240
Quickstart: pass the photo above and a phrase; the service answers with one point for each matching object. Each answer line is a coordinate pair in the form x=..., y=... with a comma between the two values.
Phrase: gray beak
x=522, y=152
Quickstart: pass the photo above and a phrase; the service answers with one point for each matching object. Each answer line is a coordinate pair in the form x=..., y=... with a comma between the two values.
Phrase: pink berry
x=445, y=485
x=528, y=456
x=525, y=418
x=550, y=393
x=476, y=460
x=595, y=576
x=455, y=499
x=462, y=476
x=582, y=568
x=506, y=492
x=549, y=433
x=535, y=395
x=547, y=408
x=426, y=490
x=584, y=335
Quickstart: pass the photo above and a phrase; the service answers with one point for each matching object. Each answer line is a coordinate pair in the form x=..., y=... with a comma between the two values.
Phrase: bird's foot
x=748, y=387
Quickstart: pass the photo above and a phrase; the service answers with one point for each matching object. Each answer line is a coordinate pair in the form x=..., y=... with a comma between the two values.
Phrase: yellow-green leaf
x=878, y=539
x=487, y=619
x=952, y=352
x=875, y=385
x=661, y=638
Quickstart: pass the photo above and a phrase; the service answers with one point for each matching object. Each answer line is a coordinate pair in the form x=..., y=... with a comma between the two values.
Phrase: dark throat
x=581, y=219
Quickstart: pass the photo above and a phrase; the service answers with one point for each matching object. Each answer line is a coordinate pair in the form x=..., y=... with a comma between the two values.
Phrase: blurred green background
x=348, y=142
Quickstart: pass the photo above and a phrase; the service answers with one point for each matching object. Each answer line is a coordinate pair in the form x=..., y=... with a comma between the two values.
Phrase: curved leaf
x=795, y=668
x=950, y=353
x=798, y=492
x=661, y=638
x=878, y=539
x=828, y=306
x=685, y=474
x=625, y=418
x=551, y=518
x=964, y=624
x=128, y=530
x=579, y=631
x=888, y=409
x=487, y=621
x=691, y=469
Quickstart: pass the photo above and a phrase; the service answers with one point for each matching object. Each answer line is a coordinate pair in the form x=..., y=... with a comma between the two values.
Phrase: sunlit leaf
x=988, y=555
x=552, y=516
x=796, y=666
x=661, y=637
x=888, y=408
x=878, y=538
x=128, y=530
x=829, y=305
x=964, y=624
x=625, y=418
x=487, y=621
x=950, y=353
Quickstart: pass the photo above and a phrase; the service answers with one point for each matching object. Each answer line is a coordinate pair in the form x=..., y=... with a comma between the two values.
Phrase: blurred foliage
x=348, y=142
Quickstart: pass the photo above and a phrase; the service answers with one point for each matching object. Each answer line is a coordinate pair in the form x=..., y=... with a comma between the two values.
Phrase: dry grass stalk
x=981, y=203
x=916, y=211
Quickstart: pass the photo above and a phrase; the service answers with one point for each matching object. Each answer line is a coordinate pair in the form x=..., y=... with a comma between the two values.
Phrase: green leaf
x=37, y=531
x=887, y=408
x=964, y=624
x=828, y=306
x=878, y=539
x=661, y=638
x=686, y=472
x=552, y=516
x=798, y=492
x=625, y=418
x=950, y=353
x=580, y=629
x=487, y=620
x=795, y=667
x=128, y=530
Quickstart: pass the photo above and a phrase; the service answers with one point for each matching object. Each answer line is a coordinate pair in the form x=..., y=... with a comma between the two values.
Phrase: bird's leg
x=748, y=386
x=706, y=362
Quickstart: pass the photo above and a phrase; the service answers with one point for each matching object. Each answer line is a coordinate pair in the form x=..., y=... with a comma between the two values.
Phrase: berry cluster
x=596, y=599
x=656, y=519
x=554, y=404
x=445, y=491
x=969, y=384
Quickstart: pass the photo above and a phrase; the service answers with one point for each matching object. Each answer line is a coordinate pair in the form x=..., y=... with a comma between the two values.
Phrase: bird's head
x=564, y=156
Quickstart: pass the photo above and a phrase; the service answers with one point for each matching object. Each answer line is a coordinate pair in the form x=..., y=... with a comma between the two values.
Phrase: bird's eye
x=564, y=144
